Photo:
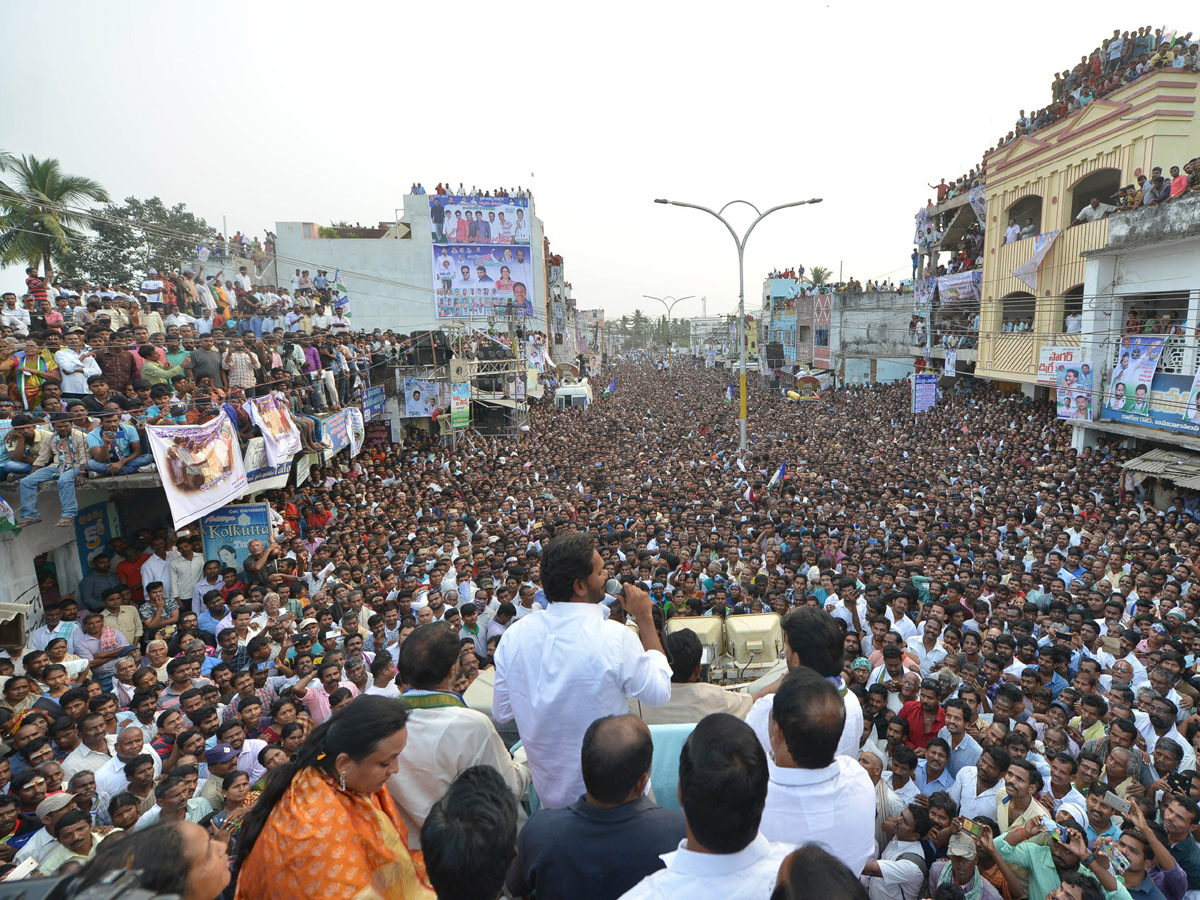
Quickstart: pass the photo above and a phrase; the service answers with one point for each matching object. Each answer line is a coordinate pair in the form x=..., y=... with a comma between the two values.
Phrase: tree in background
x=40, y=210
x=819, y=275
x=135, y=237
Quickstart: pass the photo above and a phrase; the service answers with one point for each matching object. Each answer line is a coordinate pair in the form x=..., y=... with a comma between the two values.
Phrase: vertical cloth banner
x=227, y=533
x=355, y=428
x=337, y=433
x=1129, y=387
x=274, y=420
x=924, y=391
x=1027, y=271
x=978, y=200
x=372, y=401
x=201, y=466
x=951, y=368
x=460, y=405
x=1073, y=388
x=923, y=290
x=95, y=526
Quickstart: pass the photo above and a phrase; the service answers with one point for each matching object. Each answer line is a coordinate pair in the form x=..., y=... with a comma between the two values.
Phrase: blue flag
x=778, y=476
x=612, y=386
x=729, y=393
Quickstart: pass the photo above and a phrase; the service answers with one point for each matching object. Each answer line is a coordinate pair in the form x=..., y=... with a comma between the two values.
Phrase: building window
x=1026, y=213
x=1072, y=317
x=1103, y=185
x=821, y=337
x=1018, y=309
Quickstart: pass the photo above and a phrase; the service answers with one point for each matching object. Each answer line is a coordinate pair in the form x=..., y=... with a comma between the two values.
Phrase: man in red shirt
x=129, y=570
x=925, y=716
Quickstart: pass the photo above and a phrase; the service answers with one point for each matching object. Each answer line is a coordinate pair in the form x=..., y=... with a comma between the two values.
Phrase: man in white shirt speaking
x=558, y=672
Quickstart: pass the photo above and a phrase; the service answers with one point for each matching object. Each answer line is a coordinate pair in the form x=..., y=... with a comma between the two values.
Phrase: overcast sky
x=320, y=111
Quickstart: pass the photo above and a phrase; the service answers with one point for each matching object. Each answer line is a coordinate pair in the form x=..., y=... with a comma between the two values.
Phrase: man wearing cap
x=42, y=842
x=960, y=869
x=222, y=759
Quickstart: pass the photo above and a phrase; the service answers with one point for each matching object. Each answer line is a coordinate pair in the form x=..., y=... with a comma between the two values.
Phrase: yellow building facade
x=1048, y=177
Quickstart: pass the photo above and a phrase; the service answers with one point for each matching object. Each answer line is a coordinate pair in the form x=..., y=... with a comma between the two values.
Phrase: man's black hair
x=723, y=783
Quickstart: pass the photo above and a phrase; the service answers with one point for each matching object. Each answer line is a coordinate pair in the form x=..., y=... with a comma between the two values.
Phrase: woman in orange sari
x=325, y=825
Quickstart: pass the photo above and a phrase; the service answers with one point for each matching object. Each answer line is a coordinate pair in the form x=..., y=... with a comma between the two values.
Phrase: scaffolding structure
x=493, y=361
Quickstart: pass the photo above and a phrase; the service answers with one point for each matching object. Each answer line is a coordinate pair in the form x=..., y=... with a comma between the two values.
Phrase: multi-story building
x=1049, y=177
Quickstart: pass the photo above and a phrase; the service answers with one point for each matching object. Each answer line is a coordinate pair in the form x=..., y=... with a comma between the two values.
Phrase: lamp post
x=670, y=312
x=741, y=248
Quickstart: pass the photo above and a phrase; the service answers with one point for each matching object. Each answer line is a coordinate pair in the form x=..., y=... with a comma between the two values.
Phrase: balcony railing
x=1174, y=356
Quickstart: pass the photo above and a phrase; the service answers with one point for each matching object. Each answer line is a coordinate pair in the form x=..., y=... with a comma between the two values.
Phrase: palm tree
x=820, y=275
x=37, y=221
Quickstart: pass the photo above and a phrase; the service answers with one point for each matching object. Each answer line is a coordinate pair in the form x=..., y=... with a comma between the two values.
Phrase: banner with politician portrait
x=455, y=219
x=1073, y=387
x=280, y=434
x=201, y=466
x=1127, y=396
x=420, y=398
x=479, y=281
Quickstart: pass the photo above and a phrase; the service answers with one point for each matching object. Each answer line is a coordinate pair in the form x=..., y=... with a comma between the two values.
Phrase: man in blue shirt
x=931, y=774
x=115, y=448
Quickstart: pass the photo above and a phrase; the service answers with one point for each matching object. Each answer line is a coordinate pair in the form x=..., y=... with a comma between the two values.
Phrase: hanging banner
x=460, y=405
x=1073, y=388
x=420, y=398
x=951, y=367
x=279, y=433
x=922, y=224
x=200, y=465
x=355, y=429
x=303, y=467
x=924, y=392
x=978, y=200
x=1127, y=398
x=962, y=287
x=261, y=475
x=228, y=532
x=372, y=401
x=1027, y=271
x=923, y=290
x=337, y=433
x=1052, y=360
x=95, y=526
x=379, y=434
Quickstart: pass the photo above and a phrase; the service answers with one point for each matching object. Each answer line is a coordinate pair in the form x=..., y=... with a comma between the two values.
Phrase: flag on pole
x=729, y=393
x=343, y=296
x=778, y=476
x=612, y=386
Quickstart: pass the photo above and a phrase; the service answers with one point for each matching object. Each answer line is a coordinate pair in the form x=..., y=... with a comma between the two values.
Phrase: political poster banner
x=1127, y=397
x=1174, y=402
x=95, y=526
x=978, y=200
x=460, y=405
x=961, y=287
x=1073, y=387
x=473, y=281
x=228, y=531
x=261, y=474
x=280, y=435
x=201, y=466
x=1027, y=271
x=456, y=219
x=379, y=434
x=924, y=391
x=951, y=367
x=372, y=401
x=1053, y=360
x=923, y=291
x=355, y=428
x=337, y=433
x=303, y=467
x=923, y=222
x=420, y=398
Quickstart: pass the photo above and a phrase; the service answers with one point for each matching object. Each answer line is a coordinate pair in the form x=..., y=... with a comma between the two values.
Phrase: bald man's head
x=872, y=763
x=616, y=756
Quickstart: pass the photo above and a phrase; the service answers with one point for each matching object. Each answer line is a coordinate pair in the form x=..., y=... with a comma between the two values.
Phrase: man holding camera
x=558, y=672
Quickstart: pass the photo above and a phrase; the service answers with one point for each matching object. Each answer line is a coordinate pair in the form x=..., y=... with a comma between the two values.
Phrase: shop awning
x=1182, y=469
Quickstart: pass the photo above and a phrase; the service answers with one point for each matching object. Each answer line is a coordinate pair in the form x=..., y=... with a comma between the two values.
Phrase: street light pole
x=741, y=248
x=670, y=314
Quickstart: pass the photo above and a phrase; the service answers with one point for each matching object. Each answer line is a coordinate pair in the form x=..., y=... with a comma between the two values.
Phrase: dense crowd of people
x=990, y=642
